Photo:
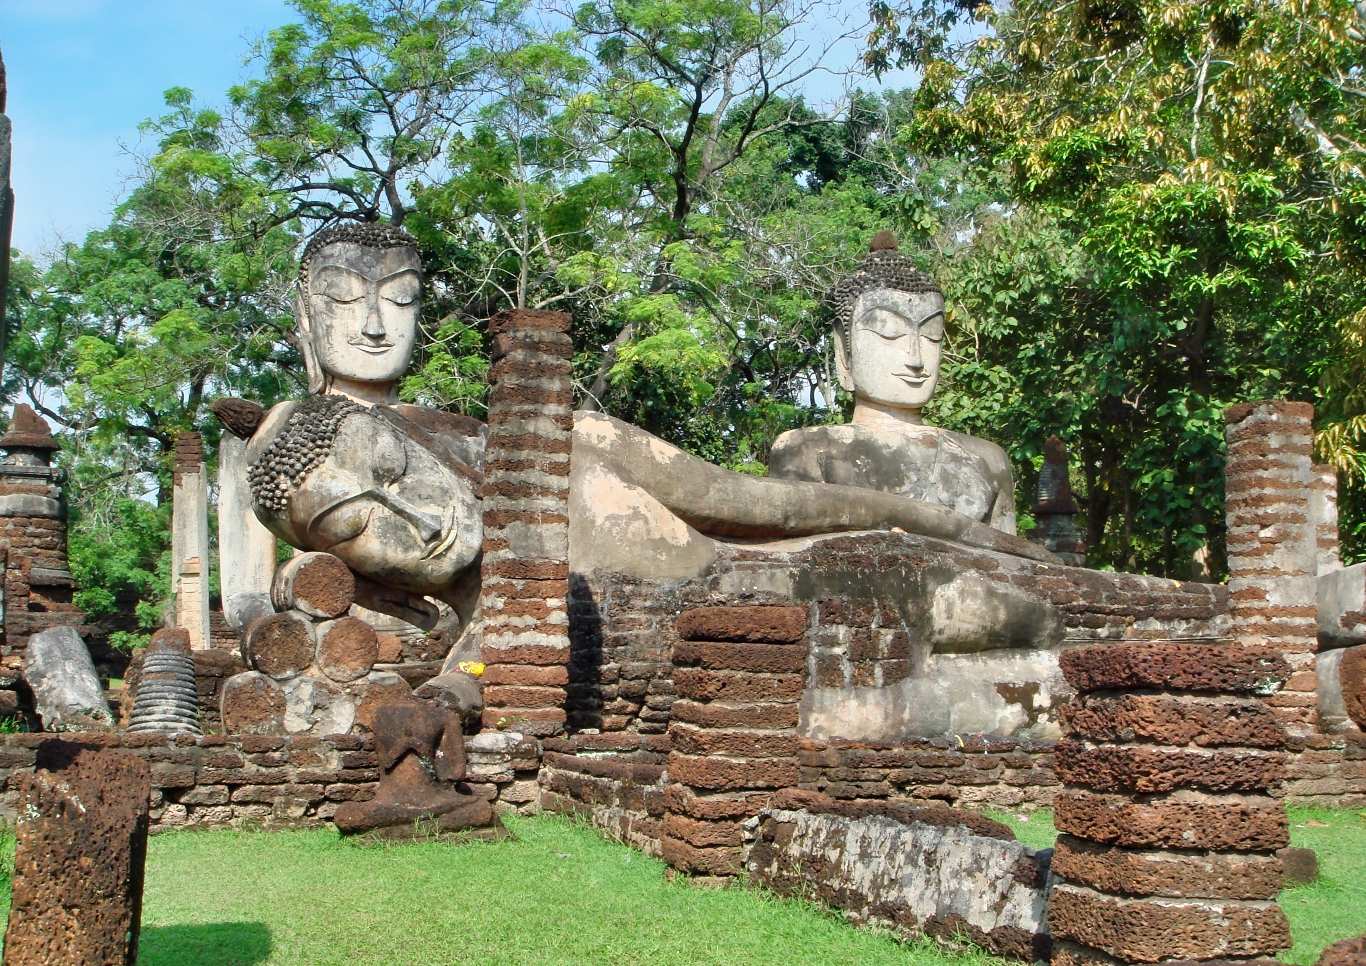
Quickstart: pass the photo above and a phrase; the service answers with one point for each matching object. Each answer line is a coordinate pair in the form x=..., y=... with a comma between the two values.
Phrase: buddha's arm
x=721, y=503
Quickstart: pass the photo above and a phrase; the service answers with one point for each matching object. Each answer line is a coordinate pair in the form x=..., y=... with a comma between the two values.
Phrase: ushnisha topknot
x=368, y=235
x=883, y=267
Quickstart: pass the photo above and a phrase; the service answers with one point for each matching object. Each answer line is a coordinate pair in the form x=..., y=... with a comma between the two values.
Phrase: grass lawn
x=557, y=892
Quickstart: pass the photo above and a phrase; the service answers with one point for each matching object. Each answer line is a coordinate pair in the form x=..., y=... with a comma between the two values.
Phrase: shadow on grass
x=206, y=944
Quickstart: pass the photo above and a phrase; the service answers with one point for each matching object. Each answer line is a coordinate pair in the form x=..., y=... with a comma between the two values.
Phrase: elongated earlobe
x=303, y=332
x=843, y=372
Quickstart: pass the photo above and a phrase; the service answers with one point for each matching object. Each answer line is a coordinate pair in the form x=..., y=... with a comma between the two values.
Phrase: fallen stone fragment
x=79, y=859
x=66, y=688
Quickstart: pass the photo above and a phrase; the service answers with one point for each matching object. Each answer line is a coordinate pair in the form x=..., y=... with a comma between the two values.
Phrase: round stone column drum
x=1167, y=837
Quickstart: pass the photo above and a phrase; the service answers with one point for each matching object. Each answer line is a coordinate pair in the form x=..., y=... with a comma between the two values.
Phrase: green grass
x=557, y=892
x=1329, y=909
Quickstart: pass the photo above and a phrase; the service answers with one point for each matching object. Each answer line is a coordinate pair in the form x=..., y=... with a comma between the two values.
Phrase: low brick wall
x=272, y=781
x=615, y=781
x=977, y=771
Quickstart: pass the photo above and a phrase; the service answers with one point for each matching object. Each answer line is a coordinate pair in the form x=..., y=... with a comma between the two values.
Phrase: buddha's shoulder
x=983, y=449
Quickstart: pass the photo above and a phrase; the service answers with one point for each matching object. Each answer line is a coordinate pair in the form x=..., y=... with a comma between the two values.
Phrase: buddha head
x=360, y=290
x=889, y=329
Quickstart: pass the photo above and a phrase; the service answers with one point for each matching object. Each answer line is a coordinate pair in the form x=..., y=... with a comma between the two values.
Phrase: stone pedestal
x=1168, y=838
x=739, y=674
x=78, y=864
x=1273, y=544
x=525, y=568
x=190, y=540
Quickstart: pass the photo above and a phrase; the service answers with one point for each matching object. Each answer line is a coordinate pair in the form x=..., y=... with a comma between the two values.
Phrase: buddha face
x=359, y=314
x=895, y=339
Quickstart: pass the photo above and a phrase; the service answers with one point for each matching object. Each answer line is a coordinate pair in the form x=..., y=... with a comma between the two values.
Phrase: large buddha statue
x=389, y=488
x=888, y=339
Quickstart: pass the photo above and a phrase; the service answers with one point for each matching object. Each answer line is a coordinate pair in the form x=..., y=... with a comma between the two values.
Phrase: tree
x=682, y=92
x=1207, y=158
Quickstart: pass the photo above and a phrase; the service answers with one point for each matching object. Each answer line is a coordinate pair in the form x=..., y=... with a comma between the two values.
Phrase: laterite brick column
x=1167, y=837
x=190, y=540
x=1273, y=543
x=525, y=570
x=738, y=673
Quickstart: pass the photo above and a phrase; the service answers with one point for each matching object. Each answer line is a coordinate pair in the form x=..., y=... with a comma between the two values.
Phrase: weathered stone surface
x=1170, y=719
x=1150, y=931
x=1349, y=952
x=1181, y=820
x=1179, y=665
x=1210, y=875
x=280, y=645
x=1067, y=953
x=241, y=609
x=316, y=706
x=1150, y=769
x=936, y=878
x=757, y=625
x=78, y=864
x=318, y=584
x=456, y=692
x=66, y=688
x=347, y=648
x=253, y=704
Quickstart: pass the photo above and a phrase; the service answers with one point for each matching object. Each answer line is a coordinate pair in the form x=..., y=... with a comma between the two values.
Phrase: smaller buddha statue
x=888, y=340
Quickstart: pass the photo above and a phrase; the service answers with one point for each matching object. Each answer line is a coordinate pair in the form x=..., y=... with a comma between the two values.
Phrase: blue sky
x=84, y=73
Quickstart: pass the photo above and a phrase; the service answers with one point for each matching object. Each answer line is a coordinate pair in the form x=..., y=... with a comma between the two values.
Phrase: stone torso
x=922, y=462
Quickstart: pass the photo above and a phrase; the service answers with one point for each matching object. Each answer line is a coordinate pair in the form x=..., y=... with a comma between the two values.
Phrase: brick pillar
x=37, y=584
x=1272, y=543
x=1167, y=837
x=525, y=569
x=190, y=540
x=738, y=675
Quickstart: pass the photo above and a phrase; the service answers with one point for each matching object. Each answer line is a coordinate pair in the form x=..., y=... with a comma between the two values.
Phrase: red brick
x=762, y=658
x=1173, y=720
x=1180, y=665
x=735, y=686
x=702, y=834
x=736, y=715
x=1178, y=874
x=1182, y=820
x=696, y=861
x=736, y=744
x=1147, y=932
x=1147, y=769
x=761, y=624
x=723, y=773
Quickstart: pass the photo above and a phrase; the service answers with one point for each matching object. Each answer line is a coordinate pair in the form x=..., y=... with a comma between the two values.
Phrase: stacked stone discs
x=1167, y=837
x=167, y=699
x=312, y=667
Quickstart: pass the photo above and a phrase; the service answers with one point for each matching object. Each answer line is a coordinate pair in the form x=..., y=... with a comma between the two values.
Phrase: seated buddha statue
x=391, y=489
x=888, y=338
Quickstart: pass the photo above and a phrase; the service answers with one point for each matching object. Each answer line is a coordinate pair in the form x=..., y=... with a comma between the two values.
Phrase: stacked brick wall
x=739, y=674
x=273, y=780
x=1273, y=544
x=614, y=780
x=977, y=771
x=1167, y=836
x=1323, y=501
x=525, y=570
